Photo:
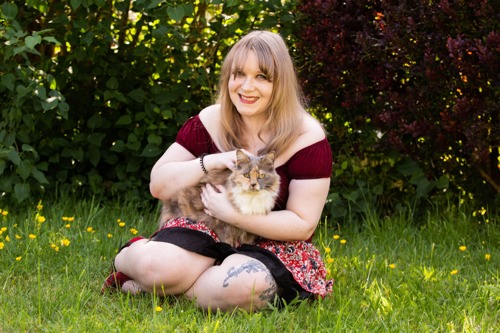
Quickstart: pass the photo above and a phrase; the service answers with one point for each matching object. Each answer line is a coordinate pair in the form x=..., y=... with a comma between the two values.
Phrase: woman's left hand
x=216, y=202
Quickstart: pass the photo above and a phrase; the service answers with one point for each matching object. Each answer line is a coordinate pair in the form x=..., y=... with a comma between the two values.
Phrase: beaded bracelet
x=202, y=164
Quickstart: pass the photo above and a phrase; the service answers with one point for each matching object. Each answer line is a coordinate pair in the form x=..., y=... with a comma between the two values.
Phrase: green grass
x=390, y=276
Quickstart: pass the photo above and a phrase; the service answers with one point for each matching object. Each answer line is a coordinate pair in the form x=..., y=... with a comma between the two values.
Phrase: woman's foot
x=132, y=287
x=114, y=281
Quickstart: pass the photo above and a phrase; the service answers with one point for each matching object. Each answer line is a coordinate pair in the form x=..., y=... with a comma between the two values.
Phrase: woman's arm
x=297, y=222
x=178, y=168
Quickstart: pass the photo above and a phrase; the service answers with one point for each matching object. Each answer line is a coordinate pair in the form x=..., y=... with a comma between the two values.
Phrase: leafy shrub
x=410, y=94
x=93, y=91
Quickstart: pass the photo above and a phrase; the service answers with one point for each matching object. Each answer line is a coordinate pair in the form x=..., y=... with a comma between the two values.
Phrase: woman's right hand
x=221, y=161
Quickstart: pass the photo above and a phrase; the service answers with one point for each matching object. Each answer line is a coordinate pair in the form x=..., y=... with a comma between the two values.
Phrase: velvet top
x=311, y=162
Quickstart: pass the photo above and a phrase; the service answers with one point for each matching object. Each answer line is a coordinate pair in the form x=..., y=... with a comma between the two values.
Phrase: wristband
x=202, y=164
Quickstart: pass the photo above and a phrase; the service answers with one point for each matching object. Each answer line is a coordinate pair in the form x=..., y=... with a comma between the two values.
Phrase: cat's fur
x=252, y=188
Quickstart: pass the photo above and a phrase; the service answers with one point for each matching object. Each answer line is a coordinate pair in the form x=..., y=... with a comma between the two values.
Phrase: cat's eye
x=246, y=175
x=261, y=175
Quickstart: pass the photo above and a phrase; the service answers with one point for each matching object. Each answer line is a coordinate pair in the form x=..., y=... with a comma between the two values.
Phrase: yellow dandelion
x=2, y=245
x=65, y=218
x=90, y=229
x=5, y=213
x=110, y=235
x=462, y=248
x=327, y=249
x=39, y=207
x=18, y=237
x=133, y=231
x=158, y=308
x=3, y=229
x=392, y=266
x=71, y=219
x=53, y=245
x=7, y=238
x=40, y=219
x=487, y=257
x=336, y=237
x=19, y=258
x=68, y=226
x=65, y=242
x=329, y=260
x=454, y=272
x=343, y=241
x=31, y=236
x=121, y=224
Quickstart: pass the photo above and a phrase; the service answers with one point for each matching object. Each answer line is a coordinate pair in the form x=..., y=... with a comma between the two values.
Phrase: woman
x=259, y=110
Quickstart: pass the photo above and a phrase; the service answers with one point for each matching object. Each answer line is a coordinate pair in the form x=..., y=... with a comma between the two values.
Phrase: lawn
x=391, y=275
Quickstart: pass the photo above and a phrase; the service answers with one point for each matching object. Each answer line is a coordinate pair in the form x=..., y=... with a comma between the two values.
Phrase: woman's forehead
x=264, y=60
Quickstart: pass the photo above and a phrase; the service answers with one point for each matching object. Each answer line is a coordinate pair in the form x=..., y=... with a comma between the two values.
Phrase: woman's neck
x=250, y=135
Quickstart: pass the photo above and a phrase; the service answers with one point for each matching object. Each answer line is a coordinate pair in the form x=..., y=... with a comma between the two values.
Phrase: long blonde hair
x=286, y=108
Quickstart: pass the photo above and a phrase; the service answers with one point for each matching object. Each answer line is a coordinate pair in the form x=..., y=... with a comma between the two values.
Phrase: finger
x=210, y=189
x=220, y=188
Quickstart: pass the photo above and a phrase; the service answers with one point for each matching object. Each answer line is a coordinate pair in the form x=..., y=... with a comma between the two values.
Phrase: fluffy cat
x=252, y=187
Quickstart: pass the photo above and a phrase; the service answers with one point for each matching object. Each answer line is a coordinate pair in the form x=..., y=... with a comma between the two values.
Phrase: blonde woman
x=259, y=109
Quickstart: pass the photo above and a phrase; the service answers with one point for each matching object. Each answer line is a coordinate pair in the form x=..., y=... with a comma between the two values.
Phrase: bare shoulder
x=312, y=132
x=210, y=117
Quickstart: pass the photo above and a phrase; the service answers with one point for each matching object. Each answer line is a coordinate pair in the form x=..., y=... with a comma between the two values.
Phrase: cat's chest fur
x=252, y=202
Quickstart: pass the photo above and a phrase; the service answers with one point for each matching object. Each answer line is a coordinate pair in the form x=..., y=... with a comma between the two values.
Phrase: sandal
x=115, y=280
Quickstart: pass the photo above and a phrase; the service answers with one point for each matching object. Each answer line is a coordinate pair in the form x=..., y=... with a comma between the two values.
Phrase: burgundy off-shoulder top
x=311, y=162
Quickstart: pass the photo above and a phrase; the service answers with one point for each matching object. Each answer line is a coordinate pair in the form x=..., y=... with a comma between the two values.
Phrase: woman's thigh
x=239, y=282
x=161, y=267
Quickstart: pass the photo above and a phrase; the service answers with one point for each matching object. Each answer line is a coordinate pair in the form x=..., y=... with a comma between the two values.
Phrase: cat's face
x=254, y=173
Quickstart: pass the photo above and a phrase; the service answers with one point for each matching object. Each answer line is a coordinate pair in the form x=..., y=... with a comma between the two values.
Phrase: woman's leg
x=160, y=267
x=239, y=282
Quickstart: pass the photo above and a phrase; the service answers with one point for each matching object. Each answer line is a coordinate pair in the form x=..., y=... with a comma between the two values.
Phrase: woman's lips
x=248, y=99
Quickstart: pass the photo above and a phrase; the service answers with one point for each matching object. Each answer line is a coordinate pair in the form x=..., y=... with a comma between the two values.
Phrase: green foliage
x=93, y=91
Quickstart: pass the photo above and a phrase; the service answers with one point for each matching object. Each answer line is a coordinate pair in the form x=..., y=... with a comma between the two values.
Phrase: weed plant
x=390, y=276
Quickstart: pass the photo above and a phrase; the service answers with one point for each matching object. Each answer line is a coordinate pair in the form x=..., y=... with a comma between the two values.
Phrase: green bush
x=93, y=91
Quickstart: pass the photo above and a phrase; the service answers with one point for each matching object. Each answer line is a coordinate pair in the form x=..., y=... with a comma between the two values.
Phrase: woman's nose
x=247, y=84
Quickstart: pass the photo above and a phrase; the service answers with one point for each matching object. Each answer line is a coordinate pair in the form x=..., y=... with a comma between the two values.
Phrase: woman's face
x=249, y=89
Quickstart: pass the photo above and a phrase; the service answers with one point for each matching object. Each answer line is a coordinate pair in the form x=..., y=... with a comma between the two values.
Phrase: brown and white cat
x=252, y=187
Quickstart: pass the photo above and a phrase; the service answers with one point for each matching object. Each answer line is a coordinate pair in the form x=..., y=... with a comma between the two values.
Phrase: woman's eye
x=262, y=77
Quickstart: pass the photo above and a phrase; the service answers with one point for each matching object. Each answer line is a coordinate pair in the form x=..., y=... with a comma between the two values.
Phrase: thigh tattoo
x=254, y=266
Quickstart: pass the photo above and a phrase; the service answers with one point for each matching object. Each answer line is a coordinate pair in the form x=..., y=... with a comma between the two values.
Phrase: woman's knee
x=243, y=283
x=250, y=281
x=163, y=267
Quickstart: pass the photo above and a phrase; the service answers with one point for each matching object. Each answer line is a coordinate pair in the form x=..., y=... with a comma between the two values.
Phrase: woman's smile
x=248, y=99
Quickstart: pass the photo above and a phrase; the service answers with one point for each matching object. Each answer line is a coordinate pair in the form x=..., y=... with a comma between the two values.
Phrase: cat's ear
x=241, y=157
x=269, y=158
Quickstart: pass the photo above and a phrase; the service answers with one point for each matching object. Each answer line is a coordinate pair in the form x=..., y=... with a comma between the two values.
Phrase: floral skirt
x=296, y=266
